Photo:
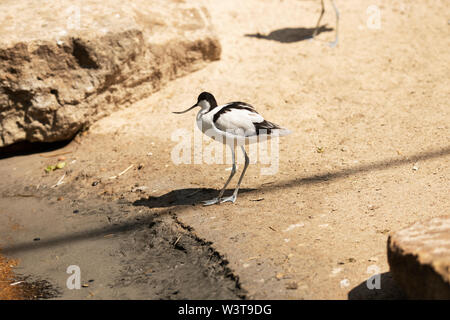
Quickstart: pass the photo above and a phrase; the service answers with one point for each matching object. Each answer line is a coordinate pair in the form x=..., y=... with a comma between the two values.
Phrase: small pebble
x=345, y=283
x=279, y=276
x=94, y=183
x=292, y=286
x=336, y=271
x=76, y=211
x=36, y=239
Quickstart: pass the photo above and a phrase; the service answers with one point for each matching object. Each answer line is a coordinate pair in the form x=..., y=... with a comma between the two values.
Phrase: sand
x=369, y=152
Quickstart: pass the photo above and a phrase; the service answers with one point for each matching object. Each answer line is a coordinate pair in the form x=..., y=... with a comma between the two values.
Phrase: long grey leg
x=233, y=171
x=336, y=40
x=318, y=21
x=234, y=196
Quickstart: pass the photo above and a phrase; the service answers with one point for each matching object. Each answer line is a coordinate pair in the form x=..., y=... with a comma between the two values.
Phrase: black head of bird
x=205, y=100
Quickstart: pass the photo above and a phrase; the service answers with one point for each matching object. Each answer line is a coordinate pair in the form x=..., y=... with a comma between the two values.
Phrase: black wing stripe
x=231, y=106
x=267, y=126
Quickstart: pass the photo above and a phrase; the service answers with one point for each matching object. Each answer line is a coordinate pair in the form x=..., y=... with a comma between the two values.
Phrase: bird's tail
x=283, y=132
x=271, y=128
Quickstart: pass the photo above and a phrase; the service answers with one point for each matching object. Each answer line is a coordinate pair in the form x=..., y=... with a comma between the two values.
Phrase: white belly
x=206, y=126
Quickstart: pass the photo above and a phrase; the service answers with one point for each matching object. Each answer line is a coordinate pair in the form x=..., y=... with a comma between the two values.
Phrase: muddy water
x=121, y=253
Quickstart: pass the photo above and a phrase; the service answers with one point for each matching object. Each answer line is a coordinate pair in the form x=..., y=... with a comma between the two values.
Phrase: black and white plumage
x=234, y=124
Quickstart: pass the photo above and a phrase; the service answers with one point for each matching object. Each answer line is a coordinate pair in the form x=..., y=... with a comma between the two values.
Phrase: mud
x=123, y=253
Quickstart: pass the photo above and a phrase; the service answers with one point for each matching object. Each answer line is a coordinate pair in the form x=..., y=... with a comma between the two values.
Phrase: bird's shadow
x=289, y=35
x=389, y=290
x=183, y=197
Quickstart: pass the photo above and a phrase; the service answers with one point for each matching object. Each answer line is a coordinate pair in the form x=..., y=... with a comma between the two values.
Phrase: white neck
x=205, y=106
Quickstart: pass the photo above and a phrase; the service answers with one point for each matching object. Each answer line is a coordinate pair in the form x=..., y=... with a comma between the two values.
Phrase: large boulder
x=419, y=259
x=65, y=64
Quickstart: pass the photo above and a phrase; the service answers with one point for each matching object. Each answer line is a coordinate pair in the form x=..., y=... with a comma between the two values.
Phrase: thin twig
x=124, y=171
x=178, y=239
x=55, y=154
x=60, y=181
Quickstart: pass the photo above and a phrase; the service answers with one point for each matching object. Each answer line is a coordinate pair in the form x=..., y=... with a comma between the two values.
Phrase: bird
x=234, y=124
x=336, y=40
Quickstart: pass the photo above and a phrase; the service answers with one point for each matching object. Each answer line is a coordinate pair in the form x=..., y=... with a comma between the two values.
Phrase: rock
x=419, y=258
x=292, y=286
x=64, y=64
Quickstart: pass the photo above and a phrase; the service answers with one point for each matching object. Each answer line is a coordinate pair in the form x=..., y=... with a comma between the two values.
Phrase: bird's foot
x=333, y=44
x=211, y=202
x=231, y=198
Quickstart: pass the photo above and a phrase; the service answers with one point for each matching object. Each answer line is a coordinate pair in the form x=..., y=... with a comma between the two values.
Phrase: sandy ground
x=369, y=154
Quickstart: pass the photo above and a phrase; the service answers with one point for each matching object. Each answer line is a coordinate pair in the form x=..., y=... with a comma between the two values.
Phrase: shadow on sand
x=184, y=197
x=290, y=35
x=389, y=290
x=176, y=201
x=26, y=148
